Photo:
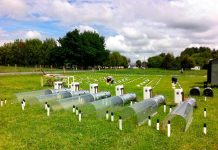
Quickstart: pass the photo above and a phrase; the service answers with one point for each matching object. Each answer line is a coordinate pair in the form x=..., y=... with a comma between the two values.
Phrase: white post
x=165, y=108
x=48, y=110
x=107, y=115
x=112, y=116
x=205, y=113
x=120, y=123
x=130, y=103
x=1, y=103
x=80, y=115
x=77, y=112
x=170, y=108
x=74, y=109
x=149, y=120
x=158, y=125
x=168, y=128
x=46, y=105
x=24, y=102
x=22, y=105
x=5, y=100
x=205, y=98
x=205, y=129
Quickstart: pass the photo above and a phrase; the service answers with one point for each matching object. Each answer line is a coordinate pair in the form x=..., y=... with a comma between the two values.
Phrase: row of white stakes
x=79, y=114
x=120, y=122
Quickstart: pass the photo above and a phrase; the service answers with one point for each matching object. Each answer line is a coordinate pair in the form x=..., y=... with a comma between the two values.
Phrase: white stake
x=165, y=107
x=205, y=113
x=149, y=120
x=77, y=112
x=168, y=128
x=48, y=110
x=120, y=123
x=170, y=108
x=24, y=102
x=107, y=115
x=112, y=116
x=158, y=125
x=74, y=108
x=5, y=100
x=205, y=129
x=80, y=115
x=130, y=103
x=205, y=98
x=1, y=103
x=22, y=105
x=46, y=105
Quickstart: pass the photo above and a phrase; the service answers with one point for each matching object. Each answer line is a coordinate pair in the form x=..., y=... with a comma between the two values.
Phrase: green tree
x=156, y=61
x=187, y=62
x=167, y=62
x=138, y=63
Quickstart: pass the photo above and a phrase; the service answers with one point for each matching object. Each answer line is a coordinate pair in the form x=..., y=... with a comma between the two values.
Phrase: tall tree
x=138, y=63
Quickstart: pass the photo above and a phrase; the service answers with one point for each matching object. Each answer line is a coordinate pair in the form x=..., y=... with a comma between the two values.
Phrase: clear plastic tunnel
x=147, y=108
x=60, y=95
x=185, y=110
x=113, y=101
x=67, y=103
x=32, y=94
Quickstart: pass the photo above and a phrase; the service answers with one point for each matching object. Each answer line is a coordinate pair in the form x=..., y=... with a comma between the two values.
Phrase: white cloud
x=33, y=34
x=141, y=28
x=15, y=9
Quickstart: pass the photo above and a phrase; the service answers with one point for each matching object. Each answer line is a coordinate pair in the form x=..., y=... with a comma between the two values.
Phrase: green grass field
x=32, y=129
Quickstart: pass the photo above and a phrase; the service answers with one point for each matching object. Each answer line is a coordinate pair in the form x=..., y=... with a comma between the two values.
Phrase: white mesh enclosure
x=185, y=110
x=147, y=108
x=67, y=103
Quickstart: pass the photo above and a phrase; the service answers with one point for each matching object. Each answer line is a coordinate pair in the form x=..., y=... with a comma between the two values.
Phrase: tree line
x=75, y=48
x=188, y=58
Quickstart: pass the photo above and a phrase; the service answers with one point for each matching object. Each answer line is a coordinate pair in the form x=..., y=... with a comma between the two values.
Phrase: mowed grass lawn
x=32, y=129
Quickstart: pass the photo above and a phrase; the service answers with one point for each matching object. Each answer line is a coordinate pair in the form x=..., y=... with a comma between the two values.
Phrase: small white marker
x=80, y=115
x=24, y=102
x=130, y=103
x=22, y=105
x=205, y=129
x=158, y=125
x=77, y=112
x=205, y=98
x=1, y=103
x=107, y=115
x=112, y=116
x=149, y=120
x=46, y=105
x=48, y=110
x=170, y=108
x=74, y=109
x=168, y=128
x=5, y=100
x=205, y=113
x=120, y=123
x=165, y=107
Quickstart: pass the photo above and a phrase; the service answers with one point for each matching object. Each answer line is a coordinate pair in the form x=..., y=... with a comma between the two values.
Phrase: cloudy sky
x=137, y=28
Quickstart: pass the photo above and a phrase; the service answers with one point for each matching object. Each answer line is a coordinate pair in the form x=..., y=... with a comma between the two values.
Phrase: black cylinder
x=195, y=91
x=208, y=92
